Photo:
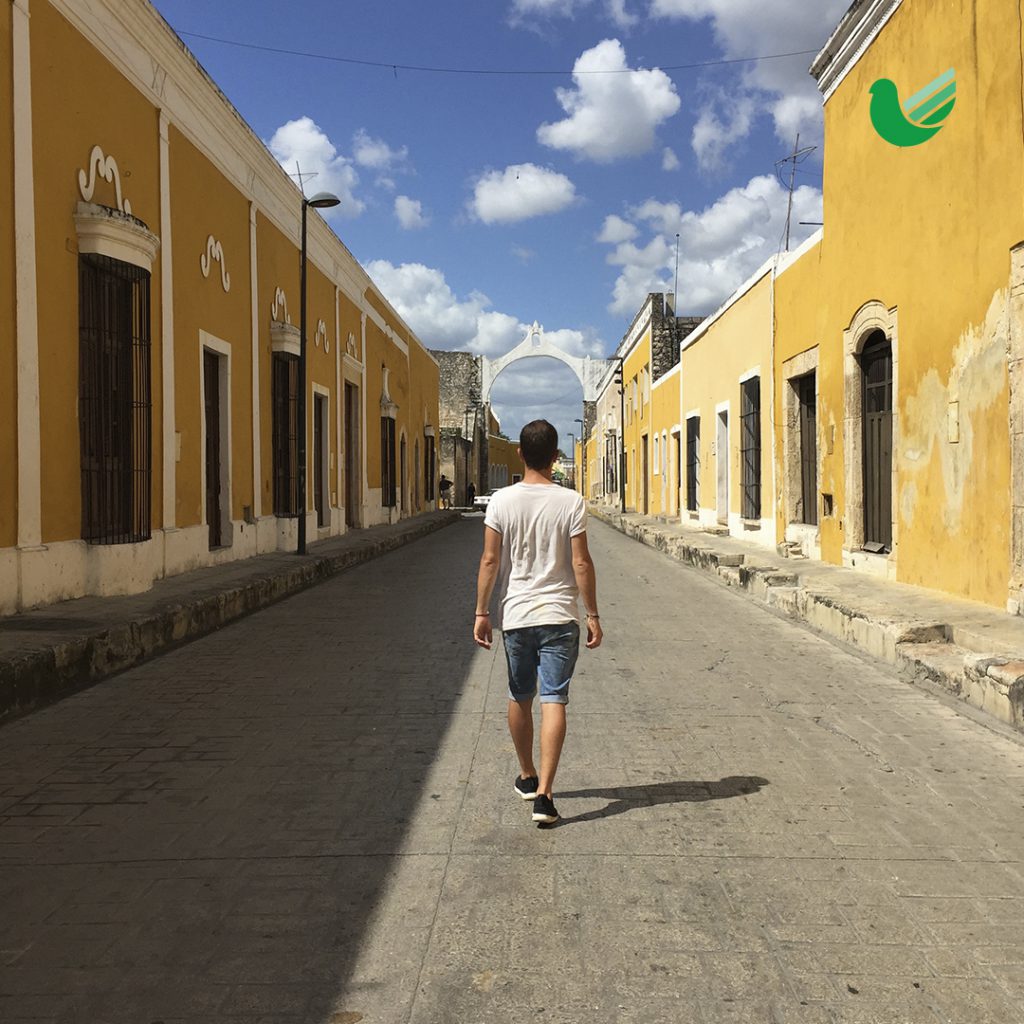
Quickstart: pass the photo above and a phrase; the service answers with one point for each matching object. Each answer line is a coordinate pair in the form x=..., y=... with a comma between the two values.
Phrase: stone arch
x=589, y=372
x=874, y=316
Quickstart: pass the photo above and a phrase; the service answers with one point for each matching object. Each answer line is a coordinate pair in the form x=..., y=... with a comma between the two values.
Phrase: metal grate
x=806, y=392
x=114, y=400
x=388, y=484
x=285, y=399
x=750, y=446
x=610, y=453
x=693, y=463
x=876, y=367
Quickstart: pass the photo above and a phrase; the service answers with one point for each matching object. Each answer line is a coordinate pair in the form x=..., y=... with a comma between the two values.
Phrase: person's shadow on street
x=630, y=798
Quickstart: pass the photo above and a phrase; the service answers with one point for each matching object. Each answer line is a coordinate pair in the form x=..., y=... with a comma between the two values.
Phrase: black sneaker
x=526, y=788
x=544, y=810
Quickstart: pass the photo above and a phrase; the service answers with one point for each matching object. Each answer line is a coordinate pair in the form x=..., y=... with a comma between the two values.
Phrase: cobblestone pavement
x=308, y=817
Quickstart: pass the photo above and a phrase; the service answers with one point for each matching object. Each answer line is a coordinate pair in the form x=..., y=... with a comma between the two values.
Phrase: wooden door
x=807, y=392
x=319, y=425
x=646, y=471
x=352, y=459
x=876, y=369
x=211, y=399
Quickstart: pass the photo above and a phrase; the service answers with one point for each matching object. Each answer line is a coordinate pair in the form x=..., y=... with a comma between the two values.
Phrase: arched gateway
x=588, y=371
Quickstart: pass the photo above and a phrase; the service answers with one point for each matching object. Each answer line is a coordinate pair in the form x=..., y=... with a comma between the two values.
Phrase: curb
x=33, y=679
x=919, y=649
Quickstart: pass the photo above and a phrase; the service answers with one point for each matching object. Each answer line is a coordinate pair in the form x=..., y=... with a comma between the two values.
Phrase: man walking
x=535, y=535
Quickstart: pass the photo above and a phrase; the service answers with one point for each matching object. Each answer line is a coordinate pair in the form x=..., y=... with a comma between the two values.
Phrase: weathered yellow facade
x=135, y=188
x=918, y=251
x=665, y=462
x=726, y=363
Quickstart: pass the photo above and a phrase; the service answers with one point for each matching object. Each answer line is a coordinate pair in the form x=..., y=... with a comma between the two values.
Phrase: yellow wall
x=664, y=416
x=423, y=410
x=203, y=204
x=735, y=344
x=67, y=77
x=638, y=420
x=504, y=453
x=8, y=346
x=321, y=360
x=926, y=230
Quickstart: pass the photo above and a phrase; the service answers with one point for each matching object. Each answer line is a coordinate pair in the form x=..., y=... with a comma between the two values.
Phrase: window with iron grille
x=750, y=446
x=693, y=463
x=285, y=431
x=388, y=482
x=428, y=467
x=610, y=458
x=114, y=400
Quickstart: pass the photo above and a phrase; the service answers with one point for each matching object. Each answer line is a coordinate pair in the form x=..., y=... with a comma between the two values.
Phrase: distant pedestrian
x=471, y=494
x=535, y=536
x=445, y=487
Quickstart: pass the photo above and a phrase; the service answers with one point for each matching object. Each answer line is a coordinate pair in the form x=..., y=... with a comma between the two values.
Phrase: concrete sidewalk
x=53, y=651
x=973, y=651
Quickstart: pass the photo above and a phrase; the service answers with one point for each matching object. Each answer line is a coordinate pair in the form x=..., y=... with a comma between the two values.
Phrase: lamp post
x=583, y=458
x=572, y=448
x=320, y=201
x=622, y=435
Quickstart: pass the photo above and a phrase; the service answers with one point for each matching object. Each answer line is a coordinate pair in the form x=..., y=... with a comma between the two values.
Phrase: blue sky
x=480, y=203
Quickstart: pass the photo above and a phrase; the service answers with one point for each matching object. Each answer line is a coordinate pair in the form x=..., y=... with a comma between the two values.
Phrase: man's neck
x=538, y=476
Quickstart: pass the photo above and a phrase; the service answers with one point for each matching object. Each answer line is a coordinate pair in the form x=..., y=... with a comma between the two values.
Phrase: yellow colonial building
x=149, y=283
x=899, y=332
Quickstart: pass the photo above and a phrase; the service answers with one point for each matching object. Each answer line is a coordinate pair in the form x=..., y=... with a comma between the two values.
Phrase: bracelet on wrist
x=483, y=615
x=594, y=616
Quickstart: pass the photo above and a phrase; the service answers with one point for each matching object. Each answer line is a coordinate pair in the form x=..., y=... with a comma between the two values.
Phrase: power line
x=392, y=66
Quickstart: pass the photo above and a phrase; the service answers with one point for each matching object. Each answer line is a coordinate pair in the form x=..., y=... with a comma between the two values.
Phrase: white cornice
x=636, y=329
x=140, y=44
x=854, y=34
x=118, y=235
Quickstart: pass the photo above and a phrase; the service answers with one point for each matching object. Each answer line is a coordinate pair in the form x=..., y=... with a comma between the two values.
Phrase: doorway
x=320, y=473
x=722, y=465
x=214, y=449
x=645, y=470
x=677, y=506
x=353, y=460
x=806, y=395
x=402, y=471
x=876, y=372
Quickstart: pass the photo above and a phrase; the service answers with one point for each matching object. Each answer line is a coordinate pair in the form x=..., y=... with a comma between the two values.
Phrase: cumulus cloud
x=669, y=160
x=719, y=126
x=615, y=230
x=745, y=28
x=519, y=192
x=530, y=11
x=410, y=213
x=719, y=246
x=610, y=116
x=376, y=154
x=302, y=144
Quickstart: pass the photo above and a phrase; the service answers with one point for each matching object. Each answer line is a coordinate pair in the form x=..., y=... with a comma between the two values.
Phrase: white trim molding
x=118, y=235
x=850, y=41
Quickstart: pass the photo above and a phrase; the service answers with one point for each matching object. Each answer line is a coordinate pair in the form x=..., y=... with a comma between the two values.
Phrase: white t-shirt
x=537, y=585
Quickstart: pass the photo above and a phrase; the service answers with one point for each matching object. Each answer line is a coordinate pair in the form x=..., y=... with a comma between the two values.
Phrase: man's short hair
x=538, y=441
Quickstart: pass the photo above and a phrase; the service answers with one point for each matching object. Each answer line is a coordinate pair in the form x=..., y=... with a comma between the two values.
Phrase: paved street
x=308, y=817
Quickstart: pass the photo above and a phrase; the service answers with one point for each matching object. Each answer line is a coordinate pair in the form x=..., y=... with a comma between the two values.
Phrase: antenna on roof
x=798, y=156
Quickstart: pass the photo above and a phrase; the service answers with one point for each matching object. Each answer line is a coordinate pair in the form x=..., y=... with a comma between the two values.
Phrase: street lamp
x=583, y=458
x=320, y=201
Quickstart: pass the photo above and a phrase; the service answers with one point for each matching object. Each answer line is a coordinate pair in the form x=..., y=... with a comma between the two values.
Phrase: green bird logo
x=917, y=119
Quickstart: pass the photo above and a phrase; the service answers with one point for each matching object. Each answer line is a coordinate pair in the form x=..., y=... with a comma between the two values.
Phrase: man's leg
x=520, y=725
x=552, y=736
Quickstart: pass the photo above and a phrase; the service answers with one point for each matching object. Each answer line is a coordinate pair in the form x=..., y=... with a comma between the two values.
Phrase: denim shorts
x=542, y=653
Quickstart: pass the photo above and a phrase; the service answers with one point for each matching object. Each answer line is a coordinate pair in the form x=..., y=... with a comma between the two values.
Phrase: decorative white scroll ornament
x=351, y=346
x=107, y=168
x=280, y=302
x=321, y=332
x=215, y=251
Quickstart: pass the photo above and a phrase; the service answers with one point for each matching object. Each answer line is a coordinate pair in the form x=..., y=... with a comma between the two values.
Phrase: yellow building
x=666, y=447
x=726, y=402
x=149, y=277
x=503, y=461
x=900, y=331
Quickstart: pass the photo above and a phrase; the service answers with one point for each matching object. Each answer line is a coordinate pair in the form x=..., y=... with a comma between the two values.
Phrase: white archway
x=589, y=372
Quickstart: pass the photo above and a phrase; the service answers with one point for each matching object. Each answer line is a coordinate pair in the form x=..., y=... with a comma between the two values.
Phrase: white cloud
x=747, y=28
x=527, y=11
x=719, y=126
x=669, y=160
x=620, y=14
x=522, y=253
x=518, y=192
x=610, y=115
x=301, y=143
x=376, y=154
x=719, y=247
x=410, y=213
x=615, y=230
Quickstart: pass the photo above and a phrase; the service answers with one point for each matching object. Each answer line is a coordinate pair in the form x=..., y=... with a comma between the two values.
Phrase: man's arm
x=490, y=561
x=586, y=581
